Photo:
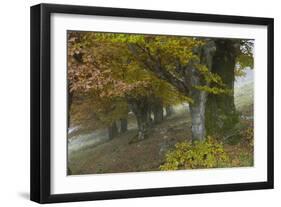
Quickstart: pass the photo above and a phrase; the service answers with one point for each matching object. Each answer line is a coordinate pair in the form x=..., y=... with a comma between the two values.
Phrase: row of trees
x=145, y=73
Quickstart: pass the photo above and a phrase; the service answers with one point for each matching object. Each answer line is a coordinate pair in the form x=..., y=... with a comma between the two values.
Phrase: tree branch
x=157, y=68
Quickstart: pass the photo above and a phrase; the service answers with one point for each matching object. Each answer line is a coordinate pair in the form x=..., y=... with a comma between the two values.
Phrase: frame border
x=40, y=102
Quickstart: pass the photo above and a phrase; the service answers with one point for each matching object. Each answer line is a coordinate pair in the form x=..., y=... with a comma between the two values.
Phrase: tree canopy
x=115, y=70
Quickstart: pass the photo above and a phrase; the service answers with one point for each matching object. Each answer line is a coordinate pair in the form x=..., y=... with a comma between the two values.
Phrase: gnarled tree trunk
x=197, y=108
x=141, y=109
x=221, y=115
x=199, y=97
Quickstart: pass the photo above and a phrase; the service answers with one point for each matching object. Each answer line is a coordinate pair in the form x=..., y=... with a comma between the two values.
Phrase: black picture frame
x=41, y=96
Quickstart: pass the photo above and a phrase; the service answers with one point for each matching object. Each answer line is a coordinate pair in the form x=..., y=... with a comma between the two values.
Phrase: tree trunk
x=123, y=125
x=141, y=110
x=112, y=130
x=157, y=109
x=197, y=109
x=158, y=115
x=142, y=126
x=221, y=115
x=169, y=111
x=199, y=97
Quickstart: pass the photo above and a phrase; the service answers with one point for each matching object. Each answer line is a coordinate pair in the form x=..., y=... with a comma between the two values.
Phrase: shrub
x=243, y=153
x=199, y=154
x=249, y=135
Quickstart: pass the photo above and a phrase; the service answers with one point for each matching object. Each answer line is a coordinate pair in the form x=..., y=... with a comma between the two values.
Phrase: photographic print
x=148, y=102
x=130, y=103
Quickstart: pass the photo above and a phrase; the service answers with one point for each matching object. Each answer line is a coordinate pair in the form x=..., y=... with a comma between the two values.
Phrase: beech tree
x=204, y=71
x=113, y=77
x=231, y=58
x=89, y=73
x=149, y=72
x=183, y=62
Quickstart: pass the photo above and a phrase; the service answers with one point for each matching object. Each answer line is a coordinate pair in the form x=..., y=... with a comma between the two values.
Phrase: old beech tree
x=147, y=73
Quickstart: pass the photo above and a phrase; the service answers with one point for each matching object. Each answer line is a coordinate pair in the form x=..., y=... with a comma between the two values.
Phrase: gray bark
x=197, y=110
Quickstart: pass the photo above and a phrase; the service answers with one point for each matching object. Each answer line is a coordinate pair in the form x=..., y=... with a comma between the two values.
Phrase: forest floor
x=122, y=155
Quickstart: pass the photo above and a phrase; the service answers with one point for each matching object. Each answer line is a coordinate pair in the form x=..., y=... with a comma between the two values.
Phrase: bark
x=141, y=109
x=123, y=125
x=157, y=109
x=221, y=115
x=142, y=127
x=169, y=111
x=199, y=97
x=158, y=115
x=197, y=109
x=112, y=130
